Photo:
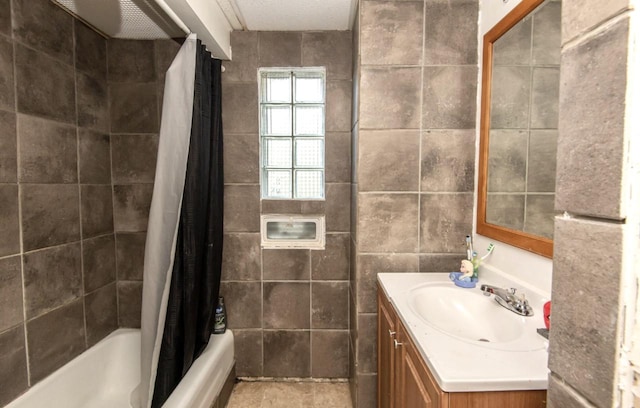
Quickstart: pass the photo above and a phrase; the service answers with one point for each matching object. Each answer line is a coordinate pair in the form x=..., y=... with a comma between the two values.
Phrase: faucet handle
x=512, y=291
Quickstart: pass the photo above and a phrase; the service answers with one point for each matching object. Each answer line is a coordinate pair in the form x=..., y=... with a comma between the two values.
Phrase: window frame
x=292, y=137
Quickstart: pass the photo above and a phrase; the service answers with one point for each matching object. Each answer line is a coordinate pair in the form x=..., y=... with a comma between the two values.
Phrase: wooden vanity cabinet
x=404, y=380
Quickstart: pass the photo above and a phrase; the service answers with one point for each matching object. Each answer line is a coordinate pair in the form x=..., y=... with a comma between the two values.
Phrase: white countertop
x=462, y=365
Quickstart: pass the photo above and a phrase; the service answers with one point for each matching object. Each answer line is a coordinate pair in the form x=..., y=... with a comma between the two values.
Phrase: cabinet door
x=416, y=387
x=386, y=353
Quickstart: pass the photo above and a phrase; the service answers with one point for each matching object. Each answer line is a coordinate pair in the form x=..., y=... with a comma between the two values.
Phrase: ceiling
x=289, y=15
x=212, y=20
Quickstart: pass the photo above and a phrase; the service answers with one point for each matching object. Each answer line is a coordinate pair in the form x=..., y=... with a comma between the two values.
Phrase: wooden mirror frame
x=534, y=243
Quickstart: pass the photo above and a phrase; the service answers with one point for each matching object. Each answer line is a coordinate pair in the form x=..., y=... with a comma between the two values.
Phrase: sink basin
x=466, y=314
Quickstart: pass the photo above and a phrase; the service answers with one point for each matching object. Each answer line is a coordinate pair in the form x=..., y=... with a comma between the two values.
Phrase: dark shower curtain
x=195, y=279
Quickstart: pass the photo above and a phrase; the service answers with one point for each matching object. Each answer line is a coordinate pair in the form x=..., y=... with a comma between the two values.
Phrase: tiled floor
x=290, y=395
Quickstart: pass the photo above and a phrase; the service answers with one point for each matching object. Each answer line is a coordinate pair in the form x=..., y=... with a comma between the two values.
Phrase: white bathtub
x=104, y=376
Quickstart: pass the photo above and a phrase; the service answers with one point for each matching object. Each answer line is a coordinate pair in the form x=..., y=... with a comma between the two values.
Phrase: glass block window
x=292, y=116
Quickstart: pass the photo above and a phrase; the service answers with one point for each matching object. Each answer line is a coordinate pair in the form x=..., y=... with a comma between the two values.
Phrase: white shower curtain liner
x=164, y=216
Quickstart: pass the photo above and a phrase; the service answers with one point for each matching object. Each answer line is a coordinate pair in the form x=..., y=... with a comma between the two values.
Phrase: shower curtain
x=183, y=253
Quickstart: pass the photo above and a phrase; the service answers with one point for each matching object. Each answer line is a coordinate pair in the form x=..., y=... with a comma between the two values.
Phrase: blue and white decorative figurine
x=464, y=278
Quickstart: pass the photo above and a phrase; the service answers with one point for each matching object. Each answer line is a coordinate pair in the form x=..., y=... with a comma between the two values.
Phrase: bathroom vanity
x=438, y=363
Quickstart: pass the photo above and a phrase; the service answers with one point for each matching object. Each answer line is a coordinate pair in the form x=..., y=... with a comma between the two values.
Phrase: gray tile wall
x=135, y=81
x=288, y=307
x=60, y=260
x=594, y=188
x=524, y=123
x=413, y=132
x=57, y=250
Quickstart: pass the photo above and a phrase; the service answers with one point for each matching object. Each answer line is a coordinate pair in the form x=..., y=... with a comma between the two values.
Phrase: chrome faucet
x=507, y=298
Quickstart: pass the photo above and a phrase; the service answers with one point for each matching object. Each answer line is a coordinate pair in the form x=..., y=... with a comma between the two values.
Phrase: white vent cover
x=133, y=19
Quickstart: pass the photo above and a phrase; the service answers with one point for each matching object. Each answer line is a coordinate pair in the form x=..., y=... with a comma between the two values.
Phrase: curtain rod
x=173, y=16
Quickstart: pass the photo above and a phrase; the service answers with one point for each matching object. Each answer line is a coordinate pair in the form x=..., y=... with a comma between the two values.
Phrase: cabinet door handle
x=396, y=343
x=391, y=333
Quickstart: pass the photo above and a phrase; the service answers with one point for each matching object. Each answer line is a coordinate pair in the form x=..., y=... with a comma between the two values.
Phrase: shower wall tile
x=10, y=292
x=366, y=392
x=92, y=102
x=242, y=208
x=5, y=17
x=292, y=207
x=130, y=255
x=330, y=305
x=444, y=219
x=333, y=262
x=240, y=101
x=241, y=158
x=134, y=107
x=389, y=160
x=8, y=148
x=98, y=262
x=244, y=66
x=9, y=220
x=287, y=353
x=241, y=257
x=388, y=222
x=593, y=153
x=101, y=315
x=448, y=160
x=445, y=46
x=13, y=370
x=389, y=98
x=52, y=277
x=244, y=306
x=131, y=61
x=90, y=51
x=338, y=106
x=48, y=151
x=54, y=339
x=449, y=99
x=286, y=305
x=385, y=41
x=337, y=212
x=50, y=92
x=337, y=157
x=279, y=49
x=131, y=205
x=134, y=158
x=45, y=27
x=97, y=210
x=330, y=354
x=331, y=49
x=367, y=269
x=165, y=52
x=7, y=84
x=248, y=352
x=286, y=264
x=94, y=157
x=129, y=303
x=50, y=214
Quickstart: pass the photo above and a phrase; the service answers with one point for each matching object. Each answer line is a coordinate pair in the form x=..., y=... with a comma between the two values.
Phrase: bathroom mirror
x=519, y=127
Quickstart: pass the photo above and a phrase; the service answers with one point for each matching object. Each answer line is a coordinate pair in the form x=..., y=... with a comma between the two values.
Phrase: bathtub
x=105, y=374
